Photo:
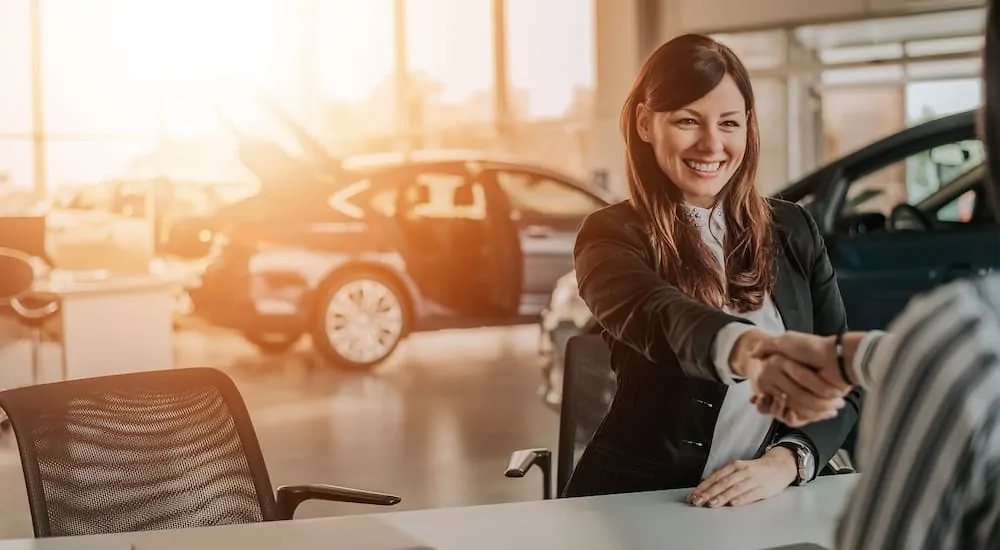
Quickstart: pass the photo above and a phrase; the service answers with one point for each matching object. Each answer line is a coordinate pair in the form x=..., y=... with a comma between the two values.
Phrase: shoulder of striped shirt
x=978, y=298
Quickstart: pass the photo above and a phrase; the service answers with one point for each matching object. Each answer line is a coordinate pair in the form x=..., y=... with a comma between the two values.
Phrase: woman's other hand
x=746, y=481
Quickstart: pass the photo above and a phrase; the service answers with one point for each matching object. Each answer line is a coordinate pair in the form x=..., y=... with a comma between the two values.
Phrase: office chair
x=588, y=385
x=150, y=450
x=17, y=274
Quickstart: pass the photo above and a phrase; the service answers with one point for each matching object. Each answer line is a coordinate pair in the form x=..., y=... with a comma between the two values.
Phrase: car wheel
x=272, y=343
x=360, y=320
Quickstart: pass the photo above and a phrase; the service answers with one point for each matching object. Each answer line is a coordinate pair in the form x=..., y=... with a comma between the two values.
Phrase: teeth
x=704, y=167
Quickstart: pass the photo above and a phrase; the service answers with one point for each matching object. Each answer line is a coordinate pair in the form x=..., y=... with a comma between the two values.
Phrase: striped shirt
x=930, y=430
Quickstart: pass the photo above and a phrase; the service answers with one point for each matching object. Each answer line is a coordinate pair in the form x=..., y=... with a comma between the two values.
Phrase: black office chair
x=17, y=274
x=151, y=450
x=588, y=386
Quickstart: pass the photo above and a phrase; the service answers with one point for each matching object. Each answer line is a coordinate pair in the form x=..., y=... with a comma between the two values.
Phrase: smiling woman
x=685, y=278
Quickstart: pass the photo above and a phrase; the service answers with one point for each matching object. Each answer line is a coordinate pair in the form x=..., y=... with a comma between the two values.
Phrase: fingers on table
x=724, y=483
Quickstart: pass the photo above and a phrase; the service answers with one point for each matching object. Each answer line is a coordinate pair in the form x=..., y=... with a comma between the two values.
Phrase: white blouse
x=740, y=429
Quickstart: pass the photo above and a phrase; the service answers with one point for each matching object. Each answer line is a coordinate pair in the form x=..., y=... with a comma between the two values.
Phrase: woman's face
x=700, y=146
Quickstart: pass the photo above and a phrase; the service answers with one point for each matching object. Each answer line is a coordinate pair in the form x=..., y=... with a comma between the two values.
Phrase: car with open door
x=359, y=252
x=899, y=217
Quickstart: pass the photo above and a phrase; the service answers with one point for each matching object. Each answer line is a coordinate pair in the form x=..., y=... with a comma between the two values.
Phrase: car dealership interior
x=255, y=253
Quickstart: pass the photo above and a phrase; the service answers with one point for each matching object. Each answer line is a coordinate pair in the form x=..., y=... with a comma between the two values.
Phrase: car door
x=451, y=245
x=881, y=261
x=547, y=212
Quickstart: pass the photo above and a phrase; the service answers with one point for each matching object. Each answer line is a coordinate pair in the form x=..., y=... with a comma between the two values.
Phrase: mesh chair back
x=135, y=452
x=588, y=387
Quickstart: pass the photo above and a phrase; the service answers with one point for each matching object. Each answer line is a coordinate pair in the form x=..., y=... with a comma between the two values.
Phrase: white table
x=658, y=520
x=109, y=325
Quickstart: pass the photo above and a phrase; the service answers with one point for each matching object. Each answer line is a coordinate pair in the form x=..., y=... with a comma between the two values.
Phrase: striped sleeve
x=928, y=446
x=861, y=365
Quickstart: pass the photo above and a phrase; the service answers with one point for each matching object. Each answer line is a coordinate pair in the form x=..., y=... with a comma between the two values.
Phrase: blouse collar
x=700, y=217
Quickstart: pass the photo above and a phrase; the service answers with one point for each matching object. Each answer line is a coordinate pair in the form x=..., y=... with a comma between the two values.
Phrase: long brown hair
x=677, y=74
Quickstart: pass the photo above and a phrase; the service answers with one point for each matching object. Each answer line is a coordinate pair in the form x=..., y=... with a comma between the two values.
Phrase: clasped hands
x=794, y=376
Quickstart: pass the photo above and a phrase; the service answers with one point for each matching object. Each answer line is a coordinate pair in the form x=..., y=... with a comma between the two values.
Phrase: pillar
x=626, y=31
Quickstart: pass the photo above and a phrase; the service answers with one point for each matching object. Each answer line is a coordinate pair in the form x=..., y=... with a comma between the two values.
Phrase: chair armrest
x=290, y=496
x=521, y=461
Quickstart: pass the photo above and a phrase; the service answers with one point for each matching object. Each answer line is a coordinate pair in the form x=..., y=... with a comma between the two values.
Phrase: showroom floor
x=435, y=425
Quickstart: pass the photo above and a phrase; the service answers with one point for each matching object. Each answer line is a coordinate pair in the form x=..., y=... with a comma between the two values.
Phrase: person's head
x=691, y=138
x=989, y=121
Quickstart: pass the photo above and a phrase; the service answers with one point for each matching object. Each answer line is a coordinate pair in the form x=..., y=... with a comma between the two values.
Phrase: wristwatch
x=803, y=460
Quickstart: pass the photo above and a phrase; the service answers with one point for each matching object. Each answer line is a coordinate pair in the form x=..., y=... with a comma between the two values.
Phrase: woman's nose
x=710, y=141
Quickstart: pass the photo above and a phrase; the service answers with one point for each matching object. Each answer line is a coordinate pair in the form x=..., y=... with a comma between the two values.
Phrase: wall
x=719, y=15
x=619, y=55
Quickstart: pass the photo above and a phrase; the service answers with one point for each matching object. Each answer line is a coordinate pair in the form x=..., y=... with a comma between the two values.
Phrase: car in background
x=108, y=225
x=418, y=242
x=359, y=252
x=899, y=217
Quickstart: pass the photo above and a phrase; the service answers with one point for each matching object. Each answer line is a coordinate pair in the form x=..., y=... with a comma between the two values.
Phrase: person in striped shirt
x=930, y=428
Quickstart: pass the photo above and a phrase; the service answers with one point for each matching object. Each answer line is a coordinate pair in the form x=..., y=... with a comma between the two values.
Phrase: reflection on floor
x=434, y=425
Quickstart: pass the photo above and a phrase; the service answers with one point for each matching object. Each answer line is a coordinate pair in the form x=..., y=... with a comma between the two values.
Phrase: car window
x=544, y=196
x=445, y=195
x=361, y=196
x=912, y=179
x=98, y=197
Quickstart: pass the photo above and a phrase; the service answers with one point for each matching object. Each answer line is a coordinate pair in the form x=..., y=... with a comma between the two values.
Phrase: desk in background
x=638, y=521
x=107, y=325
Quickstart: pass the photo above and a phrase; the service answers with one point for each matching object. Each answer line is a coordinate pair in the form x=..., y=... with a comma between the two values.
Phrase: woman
x=686, y=278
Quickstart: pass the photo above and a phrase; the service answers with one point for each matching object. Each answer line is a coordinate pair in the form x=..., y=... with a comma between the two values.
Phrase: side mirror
x=16, y=273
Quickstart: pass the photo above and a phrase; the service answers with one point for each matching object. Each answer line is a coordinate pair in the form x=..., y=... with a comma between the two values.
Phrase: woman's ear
x=643, y=122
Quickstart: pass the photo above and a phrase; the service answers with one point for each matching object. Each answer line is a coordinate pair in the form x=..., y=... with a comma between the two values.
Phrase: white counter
x=655, y=520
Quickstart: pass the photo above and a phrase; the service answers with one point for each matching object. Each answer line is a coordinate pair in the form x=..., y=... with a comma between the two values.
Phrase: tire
x=272, y=343
x=385, y=318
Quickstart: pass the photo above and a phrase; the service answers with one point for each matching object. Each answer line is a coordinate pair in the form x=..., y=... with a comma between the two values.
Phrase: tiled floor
x=434, y=425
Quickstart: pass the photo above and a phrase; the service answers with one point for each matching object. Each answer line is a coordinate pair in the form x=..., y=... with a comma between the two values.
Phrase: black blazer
x=659, y=429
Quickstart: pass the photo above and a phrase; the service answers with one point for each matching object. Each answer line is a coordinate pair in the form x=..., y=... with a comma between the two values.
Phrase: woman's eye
x=687, y=121
x=731, y=124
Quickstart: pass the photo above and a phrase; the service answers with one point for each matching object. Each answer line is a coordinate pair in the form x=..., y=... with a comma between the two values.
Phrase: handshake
x=795, y=377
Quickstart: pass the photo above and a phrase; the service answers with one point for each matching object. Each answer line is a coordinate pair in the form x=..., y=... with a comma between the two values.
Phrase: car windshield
x=922, y=181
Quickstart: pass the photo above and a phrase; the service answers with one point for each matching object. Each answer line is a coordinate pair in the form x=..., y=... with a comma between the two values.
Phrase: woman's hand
x=800, y=380
x=795, y=393
x=746, y=481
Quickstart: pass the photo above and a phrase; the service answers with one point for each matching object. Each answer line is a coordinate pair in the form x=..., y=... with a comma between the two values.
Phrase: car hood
x=271, y=143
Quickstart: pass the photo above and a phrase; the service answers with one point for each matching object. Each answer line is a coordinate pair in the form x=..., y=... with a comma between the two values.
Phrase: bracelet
x=838, y=344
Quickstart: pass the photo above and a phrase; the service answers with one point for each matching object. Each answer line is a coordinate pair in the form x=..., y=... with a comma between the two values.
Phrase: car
x=415, y=242
x=899, y=217
x=106, y=225
x=359, y=252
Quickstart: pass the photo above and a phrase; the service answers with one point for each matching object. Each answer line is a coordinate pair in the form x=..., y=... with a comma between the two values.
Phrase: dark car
x=360, y=252
x=900, y=216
